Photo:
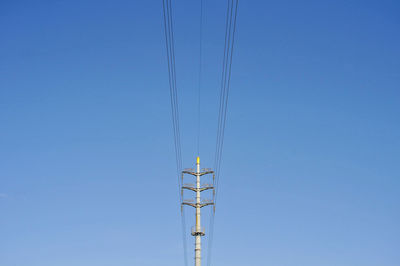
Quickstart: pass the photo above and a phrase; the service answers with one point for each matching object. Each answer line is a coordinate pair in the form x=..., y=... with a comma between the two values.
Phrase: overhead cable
x=169, y=42
x=230, y=30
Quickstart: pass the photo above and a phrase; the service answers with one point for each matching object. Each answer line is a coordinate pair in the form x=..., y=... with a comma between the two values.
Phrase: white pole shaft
x=197, y=249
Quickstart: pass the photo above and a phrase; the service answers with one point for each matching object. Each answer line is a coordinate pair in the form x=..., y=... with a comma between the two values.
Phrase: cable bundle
x=230, y=29
x=169, y=42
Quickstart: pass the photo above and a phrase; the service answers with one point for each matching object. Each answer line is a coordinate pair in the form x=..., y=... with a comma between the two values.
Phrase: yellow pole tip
x=198, y=160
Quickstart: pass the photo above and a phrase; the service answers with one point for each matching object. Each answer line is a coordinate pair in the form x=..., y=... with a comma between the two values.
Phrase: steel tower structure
x=197, y=230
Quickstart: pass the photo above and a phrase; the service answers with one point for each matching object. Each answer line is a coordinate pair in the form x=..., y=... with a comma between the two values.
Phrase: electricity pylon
x=198, y=231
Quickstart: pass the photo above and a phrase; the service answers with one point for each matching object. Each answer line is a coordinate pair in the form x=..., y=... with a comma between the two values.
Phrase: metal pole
x=197, y=230
x=197, y=248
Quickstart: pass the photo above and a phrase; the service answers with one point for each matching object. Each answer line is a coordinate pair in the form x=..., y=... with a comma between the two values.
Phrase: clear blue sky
x=310, y=171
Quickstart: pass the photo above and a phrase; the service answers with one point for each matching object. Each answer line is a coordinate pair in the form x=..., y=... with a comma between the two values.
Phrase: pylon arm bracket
x=206, y=173
x=195, y=205
x=189, y=173
x=206, y=204
x=197, y=189
x=190, y=188
x=197, y=174
x=205, y=188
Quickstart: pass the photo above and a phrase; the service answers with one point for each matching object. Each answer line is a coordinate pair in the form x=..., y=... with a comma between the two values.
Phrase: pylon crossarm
x=195, y=205
x=206, y=204
x=189, y=173
x=189, y=204
x=205, y=188
x=206, y=173
x=197, y=174
x=190, y=188
x=197, y=189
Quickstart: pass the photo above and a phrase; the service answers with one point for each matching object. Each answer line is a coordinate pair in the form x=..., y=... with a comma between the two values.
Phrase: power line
x=230, y=30
x=227, y=69
x=169, y=42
